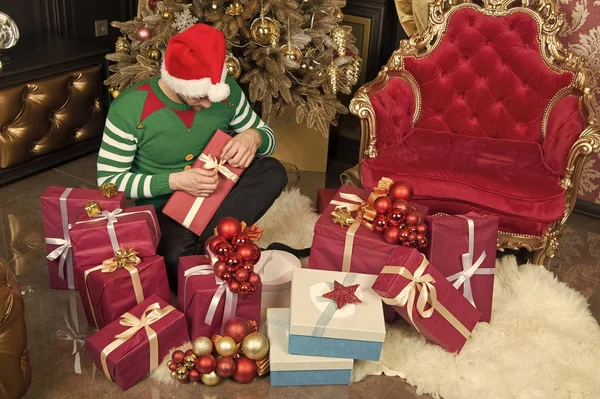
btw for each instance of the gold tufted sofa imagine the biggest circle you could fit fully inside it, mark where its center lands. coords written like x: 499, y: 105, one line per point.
x: 15, y: 375
x: 49, y: 114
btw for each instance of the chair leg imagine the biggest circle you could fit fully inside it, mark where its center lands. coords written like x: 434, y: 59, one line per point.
x: 543, y: 256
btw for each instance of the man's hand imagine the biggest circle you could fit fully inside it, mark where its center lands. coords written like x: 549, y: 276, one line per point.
x: 196, y: 181
x: 240, y: 151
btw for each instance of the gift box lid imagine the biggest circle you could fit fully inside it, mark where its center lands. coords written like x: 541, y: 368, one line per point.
x: 278, y: 328
x: 275, y: 269
x: 312, y: 314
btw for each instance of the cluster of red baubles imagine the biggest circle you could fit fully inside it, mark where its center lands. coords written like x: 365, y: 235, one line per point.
x: 237, y: 255
x: 398, y: 220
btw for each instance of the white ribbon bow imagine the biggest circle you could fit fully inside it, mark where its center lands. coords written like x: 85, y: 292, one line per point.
x: 469, y: 267
x: 64, y: 249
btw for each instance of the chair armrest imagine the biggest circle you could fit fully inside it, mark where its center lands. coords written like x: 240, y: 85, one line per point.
x: 565, y: 123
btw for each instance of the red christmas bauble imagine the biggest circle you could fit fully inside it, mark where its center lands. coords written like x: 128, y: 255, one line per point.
x: 420, y: 237
x: 406, y: 244
x: 173, y: 366
x: 403, y: 205
x: 392, y: 235
x: 194, y: 375
x: 177, y: 356
x: 380, y: 223
x: 412, y: 237
x: 246, y: 252
x: 249, y: 267
x: 422, y: 228
x: 256, y: 253
x: 401, y: 190
x: 254, y: 279
x: 233, y: 260
x: 382, y: 205
x: 412, y: 219
x: 412, y: 229
x: 222, y: 249
x: 395, y: 216
x: 206, y: 364
x: 189, y: 352
x: 240, y: 239
x: 414, y: 244
x: 234, y: 286
x: 403, y: 235
x: 228, y: 227
x: 236, y: 328
x: 413, y: 208
x: 184, y: 381
x: 245, y: 288
x: 226, y: 277
x: 220, y: 268
x: 246, y: 370
x: 143, y: 34
x: 225, y: 367
x: 212, y: 242
x: 152, y: 4
x: 242, y: 275
x: 422, y: 242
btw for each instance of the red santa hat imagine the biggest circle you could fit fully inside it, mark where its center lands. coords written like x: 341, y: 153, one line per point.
x: 194, y: 64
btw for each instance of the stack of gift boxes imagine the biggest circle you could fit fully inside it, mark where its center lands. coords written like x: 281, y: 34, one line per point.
x: 374, y: 256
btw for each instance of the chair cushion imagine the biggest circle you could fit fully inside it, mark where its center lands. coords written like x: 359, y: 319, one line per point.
x: 504, y: 176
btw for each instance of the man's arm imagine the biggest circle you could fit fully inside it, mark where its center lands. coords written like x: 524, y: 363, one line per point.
x: 118, y: 149
x: 245, y: 118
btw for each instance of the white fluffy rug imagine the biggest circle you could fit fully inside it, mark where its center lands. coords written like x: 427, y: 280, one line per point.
x: 542, y: 342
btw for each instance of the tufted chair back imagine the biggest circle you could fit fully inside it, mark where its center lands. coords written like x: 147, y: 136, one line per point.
x: 486, y: 78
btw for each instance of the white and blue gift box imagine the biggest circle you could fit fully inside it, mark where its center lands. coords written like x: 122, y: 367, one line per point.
x: 319, y: 328
x: 288, y: 369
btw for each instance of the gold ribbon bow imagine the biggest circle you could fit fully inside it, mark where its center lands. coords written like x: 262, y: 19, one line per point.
x: 424, y: 284
x: 152, y: 314
x: 210, y: 162
x: 126, y: 258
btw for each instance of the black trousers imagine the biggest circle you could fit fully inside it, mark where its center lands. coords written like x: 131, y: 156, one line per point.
x: 248, y: 201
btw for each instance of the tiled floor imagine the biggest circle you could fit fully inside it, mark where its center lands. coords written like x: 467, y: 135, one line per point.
x: 21, y: 244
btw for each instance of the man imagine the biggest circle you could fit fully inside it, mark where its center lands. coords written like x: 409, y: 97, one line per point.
x: 156, y: 129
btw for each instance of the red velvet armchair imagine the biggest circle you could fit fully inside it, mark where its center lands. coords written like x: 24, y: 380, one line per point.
x: 485, y: 111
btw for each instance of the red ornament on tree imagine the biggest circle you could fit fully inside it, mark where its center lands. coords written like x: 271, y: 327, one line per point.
x: 222, y: 249
x: 403, y: 205
x: 392, y: 235
x: 225, y: 367
x: 242, y: 275
x: 254, y: 279
x: 380, y: 223
x: 246, y: 370
x: 234, y: 286
x: 152, y: 4
x: 395, y: 216
x: 382, y: 205
x: 236, y: 328
x: 228, y: 227
x: 401, y: 190
x: 245, y: 288
x: 421, y: 228
x: 220, y: 268
x: 143, y: 34
x: 240, y: 239
x: 178, y: 356
x: 246, y: 252
x: 233, y: 260
x: 206, y: 364
x: 412, y: 219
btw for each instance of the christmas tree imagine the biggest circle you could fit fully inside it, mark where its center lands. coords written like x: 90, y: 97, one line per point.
x: 288, y: 53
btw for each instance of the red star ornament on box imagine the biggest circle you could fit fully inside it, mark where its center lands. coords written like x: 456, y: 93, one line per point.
x: 343, y: 295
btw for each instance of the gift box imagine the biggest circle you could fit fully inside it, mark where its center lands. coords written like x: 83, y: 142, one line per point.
x: 319, y: 327
x: 276, y: 269
x: 96, y: 238
x: 129, y: 348
x: 288, y: 369
x: 195, y: 213
x: 324, y: 197
x: 355, y: 248
x: 206, y: 300
x: 118, y: 284
x: 463, y: 249
x: 61, y: 207
x: 424, y: 298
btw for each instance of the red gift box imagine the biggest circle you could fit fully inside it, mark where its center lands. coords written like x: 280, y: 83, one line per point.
x: 95, y: 239
x: 368, y: 252
x: 129, y: 348
x: 206, y: 300
x: 424, y: 298
x: 107, y: 291
x: 463, y: 249
x: 61, y: 207
x: 195, y: 213
x: 324, y: 197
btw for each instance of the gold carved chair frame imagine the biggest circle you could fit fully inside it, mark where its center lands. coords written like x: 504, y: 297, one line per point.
x: 556, y: 57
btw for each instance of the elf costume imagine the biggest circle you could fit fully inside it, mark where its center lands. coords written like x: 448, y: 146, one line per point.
x: 148, y: 136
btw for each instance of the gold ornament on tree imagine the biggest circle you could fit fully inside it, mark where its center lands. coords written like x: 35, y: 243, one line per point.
x: 122, y: 45
x: 263, y: 29
x: 166, y: 14
x: 114, y: 92
x: 234, y: 69
x: 154, y: 55
x: 339, y: 38
x: 353, y: 71
x: 332, y: 71
x: 234, y: 9
x: 339, y: 16
x: 291, y: 52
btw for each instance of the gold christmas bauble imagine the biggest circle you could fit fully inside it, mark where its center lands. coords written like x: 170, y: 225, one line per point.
x: 122, y: 45
x: 115, y: 93
x: 166, y: 14
x: 339, y: 16
x: 202, y: 346
x: 234, y: 68
x: 255, y: 346
x: 291, y: 52
x: 262, y: 30
x: 189, y: 361
x: 181, y: 373
x: 154, y: 55
x: 174, y: 375
x: 226, y: 346
x: 234, y: 9
x: 211, y: 379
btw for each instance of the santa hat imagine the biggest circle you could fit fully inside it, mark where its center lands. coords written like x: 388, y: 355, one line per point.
x: 194, y: 64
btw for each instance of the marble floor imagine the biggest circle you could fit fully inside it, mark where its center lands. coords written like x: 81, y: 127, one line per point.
x: 54, y: 376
